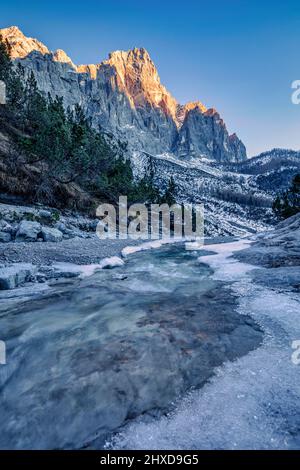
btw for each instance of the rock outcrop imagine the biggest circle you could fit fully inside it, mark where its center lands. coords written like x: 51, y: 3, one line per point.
x: 124, y: 95
x: 28, y: 231
x: 50, y: 234
x: 203, y: 132
x: 15, y: 275
x: 277, y: 250
x: 32, y: 224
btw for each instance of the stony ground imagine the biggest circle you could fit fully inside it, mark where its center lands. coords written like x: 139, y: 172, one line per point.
x: 77, y: 251
x: 279, y: 252
x: 34, y: 237
x: 93, y: 347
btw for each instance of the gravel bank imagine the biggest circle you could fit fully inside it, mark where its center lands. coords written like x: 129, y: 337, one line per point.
x: 77, y: 251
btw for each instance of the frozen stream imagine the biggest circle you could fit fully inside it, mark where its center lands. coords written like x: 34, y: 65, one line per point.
x: 251, y: 403
x: 87, y: 355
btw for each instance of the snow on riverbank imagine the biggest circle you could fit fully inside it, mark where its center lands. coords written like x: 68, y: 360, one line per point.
x: 252, y: 403
x: 86, y: 270
x: 190, y: 244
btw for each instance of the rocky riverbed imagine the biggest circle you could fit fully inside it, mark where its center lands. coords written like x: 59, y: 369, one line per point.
x: 90, y: 356
x: 39, y: 244
x: 86, y: 355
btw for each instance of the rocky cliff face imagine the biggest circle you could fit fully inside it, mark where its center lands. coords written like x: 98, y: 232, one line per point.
x: 124, y: 95
x: 203, y: 132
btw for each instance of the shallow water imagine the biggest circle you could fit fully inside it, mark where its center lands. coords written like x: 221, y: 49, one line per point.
x: 89, y: 354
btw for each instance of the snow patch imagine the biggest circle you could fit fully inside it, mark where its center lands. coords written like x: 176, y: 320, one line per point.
x: 129, y: 250
x: 86, y: 270
x: 112, y: 262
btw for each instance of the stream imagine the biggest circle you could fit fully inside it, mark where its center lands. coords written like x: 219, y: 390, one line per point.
x: 100, y: 361
x: 251, y: 403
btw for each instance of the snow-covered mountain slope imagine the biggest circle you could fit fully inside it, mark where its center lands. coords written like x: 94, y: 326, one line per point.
x: 271, y: 171
x: 268, y: 161
x: 237, y: 198
x: 235, y: 202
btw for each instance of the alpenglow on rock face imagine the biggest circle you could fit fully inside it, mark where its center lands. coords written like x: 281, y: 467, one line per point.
x: 123, y: 95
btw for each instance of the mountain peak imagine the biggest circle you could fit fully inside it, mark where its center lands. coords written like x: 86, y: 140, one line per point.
x: 12, y: 30
x: 19, y: 46
x: 136, y: 74
x: 195, y: 105
x: 138, y: 78
x: 137, y: 59
x: 139, y: 54
x: 60, y: 56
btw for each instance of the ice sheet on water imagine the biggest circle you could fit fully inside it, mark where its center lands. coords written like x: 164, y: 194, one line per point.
x: 252, y: 403
x: 226, y: 267
x: 153, y: 244
x: 85, y: 270
x: 129, y: 250
x: 112, y: 262
x: 82, y: 270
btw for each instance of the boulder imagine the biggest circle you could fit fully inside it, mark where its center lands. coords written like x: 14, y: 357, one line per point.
x: 51, y: 234
x: 60, y: 226
x: 5, y: 227
x: 15, y: 275
x: 278, y: 248
x: 45, y: 215
x: 58, y: 271
x: 28, y: 231
x: 74, y: 232
x: 5, y: 237
x: 70, y: 231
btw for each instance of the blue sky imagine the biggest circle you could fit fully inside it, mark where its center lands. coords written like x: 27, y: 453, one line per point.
x: 239, y: 56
